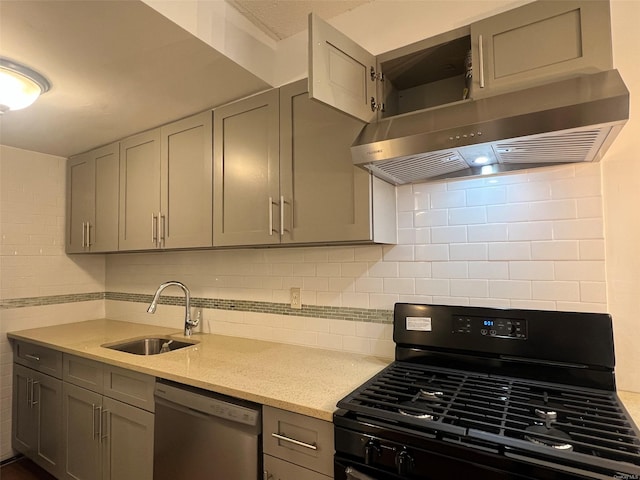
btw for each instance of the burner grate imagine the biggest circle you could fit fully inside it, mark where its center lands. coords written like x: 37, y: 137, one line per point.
x: 583, y: 425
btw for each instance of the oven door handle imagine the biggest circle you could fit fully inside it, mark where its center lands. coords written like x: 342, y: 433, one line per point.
x: 353, y: 474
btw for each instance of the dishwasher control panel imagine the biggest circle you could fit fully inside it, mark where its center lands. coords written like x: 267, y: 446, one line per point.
x: 208, y: 403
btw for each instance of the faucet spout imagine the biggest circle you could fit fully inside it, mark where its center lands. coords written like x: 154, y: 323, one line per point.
x: 188, y: 322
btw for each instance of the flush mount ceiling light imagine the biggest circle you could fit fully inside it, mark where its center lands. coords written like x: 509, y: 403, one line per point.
x: 19, y: 85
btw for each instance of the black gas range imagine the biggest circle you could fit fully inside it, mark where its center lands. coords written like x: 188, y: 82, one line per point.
x: 483, y: 393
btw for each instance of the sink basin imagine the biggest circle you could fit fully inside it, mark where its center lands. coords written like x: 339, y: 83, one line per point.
x: 150, y: 345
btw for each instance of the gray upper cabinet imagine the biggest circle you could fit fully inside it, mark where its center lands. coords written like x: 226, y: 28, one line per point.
x: 140, y: 191
x: 541, y: 40
x: 246, y: 171
x: 340, y: 71
x: 535, y: 43
x: 186, y: 173
x: 92, y: 201
x: 165, y: 186
x: 325, y: 197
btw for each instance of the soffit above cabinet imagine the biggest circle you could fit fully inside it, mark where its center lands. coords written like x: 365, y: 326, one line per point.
x: 116, y: 68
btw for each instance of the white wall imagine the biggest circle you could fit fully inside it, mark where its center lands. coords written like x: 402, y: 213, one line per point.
x: 32, y: 258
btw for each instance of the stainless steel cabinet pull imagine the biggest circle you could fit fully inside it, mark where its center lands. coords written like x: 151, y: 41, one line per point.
x: 107, y: 421
x: 481, y: 60
x: 281, y: 215
x: 88, y: 234
x: 33, y: 401
x: 311, y: 446
x: 267, y: 476
x: 84, y: 243
x: 32, y: 357
x: 97, y: 433
x: 29, y: 391
x: 270, y: 215
x: 162, y: 223
x: 93, y: 418
x: 154, y: 229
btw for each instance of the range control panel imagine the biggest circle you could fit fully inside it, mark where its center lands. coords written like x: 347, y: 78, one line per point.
x: 490, y: 327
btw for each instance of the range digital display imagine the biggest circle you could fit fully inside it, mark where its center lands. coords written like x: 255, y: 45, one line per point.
x: 510, y: 328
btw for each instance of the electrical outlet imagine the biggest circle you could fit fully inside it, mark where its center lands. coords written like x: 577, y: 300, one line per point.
x: 295, y: 298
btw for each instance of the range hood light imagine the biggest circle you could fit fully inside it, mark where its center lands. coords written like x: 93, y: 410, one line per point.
x: 481, y: 160
x: 19, y: 85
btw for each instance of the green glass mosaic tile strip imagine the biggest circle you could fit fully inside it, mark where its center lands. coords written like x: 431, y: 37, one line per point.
x: 316, y: 311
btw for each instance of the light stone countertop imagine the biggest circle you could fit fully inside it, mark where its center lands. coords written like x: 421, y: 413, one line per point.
x: 304, y: 380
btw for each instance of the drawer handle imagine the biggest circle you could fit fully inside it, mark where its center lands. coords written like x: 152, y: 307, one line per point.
x: 311, y: 446
x: 32, y: 357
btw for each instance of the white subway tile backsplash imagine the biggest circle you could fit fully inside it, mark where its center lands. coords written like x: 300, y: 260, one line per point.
x: 450, y: 270
x: 448, y: 199
x: 432, y: 286
x: 383, y: 269
x: 528, y: 192
x: 405, y: 219
x: 467, y: 216
x: 495, y: 232
x: 423, y: 236
x: 368, y: 253
x: 516, y: 212
x: 589, y: 207
x: 531, y: 270
x: 369, y: 285
x: 555, y: 250
x: 580, y: 229
x: 553, y: 210
x: 402, y: 253
x: 469, y: 288
x: 510, y: 251
x: 586, y: 270
x: 580, y: 186
x: 468, y: 251
x: 556, y: 290
x: 399, y: 285
x: 592, y: 249
x: 530, y: 231
x: 431, y: 218
x: 593, y: 292
x: 510, y: 289
x: 438, y: 252
x: 455, y: 234
x: 383, y: 301
x: 414, y: 269
x: 486, y: 196
x: 489, y: 270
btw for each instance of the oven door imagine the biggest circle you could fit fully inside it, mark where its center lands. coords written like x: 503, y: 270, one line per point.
x: 348, y: 470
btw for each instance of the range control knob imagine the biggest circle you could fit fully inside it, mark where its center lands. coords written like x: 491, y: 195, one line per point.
x: 404, y: 462
x: 371, y: 451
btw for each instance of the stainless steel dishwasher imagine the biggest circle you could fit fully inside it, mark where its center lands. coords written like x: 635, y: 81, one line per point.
x: 202, y: 435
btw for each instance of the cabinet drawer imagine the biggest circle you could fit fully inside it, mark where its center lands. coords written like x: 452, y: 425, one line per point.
x: 302, y: 440
x: 129, y: 387
x: 276, y: 469
x: 83, y: 372
x: 39, y: 358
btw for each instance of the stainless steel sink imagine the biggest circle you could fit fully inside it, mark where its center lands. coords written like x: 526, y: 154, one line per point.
x: 150, y: 345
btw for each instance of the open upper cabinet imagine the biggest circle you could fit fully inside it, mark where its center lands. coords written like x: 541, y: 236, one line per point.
x: 538, y: 42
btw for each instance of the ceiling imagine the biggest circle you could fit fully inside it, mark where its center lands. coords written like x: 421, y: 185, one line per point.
x: 119, y: 67
x: 281, y: 19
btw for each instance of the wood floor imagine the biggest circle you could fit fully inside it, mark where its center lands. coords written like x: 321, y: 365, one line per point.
x: 23, y: 469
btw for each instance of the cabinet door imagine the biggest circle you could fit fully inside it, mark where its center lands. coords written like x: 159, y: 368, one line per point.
x: 127, y: 447
x: 541, y: 40
x: 139, y: 191
x: 103, y: 231
x: 340, y: 71
x: 277, y: 469
x: 246, y: 172
x: 187, y: 182
x: 47, y: 400
x: 82, y: 425
x: 80, y: 201
x: 24, y: 419
x: 327, y: 198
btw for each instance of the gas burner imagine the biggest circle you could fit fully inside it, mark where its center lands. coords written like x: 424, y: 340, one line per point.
x: 430, y: 395
x: 405, y: 408
x: 547, y: 415
x: 558, y: 441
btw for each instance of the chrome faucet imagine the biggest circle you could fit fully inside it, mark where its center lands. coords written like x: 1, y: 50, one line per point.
x: 188, y: 322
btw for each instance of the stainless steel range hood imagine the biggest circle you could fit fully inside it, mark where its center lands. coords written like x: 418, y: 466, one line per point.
x: 573, y: 120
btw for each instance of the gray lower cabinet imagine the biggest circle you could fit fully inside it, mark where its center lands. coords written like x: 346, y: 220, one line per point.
x: 104, y: 437
x: 36, y: 424
x: 296, y: 447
